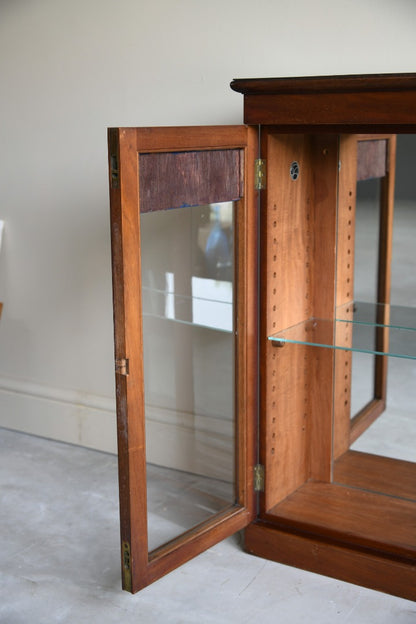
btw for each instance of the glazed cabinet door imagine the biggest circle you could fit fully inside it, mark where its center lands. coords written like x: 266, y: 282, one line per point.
x: 184, y: 234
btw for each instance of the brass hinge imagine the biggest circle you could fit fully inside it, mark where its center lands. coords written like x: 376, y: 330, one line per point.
x: 122, y: 367
x: 260, y: 174
x: 125, y: 553
x: 259, y: 478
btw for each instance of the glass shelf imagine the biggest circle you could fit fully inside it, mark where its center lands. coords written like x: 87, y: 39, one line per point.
x: 359, y: 326
x: 377, y: 314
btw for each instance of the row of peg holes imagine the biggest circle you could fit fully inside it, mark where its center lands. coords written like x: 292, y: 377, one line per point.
x: 348, y: 281
x: 274, y: 290
x: 349, y: 239
x: 273, y: 405
x: 348, y: 293
x: 274, y: 308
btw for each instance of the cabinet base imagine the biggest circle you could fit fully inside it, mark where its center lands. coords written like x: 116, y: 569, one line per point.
x: 346, y: 562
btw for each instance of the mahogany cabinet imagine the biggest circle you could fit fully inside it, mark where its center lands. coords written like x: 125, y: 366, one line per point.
x: 236, y: 326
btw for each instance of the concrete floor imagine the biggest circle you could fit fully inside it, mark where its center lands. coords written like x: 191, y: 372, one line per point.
x: 60, y: 558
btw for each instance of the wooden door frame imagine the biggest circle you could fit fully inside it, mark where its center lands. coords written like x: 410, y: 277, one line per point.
x: 139, y: 567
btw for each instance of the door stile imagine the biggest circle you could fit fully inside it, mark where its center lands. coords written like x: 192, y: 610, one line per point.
x: 125, y: 233
x: 385, y: 257
x: 247, y: 328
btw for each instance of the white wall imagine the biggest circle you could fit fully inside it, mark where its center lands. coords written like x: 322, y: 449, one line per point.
x: 70, y: 69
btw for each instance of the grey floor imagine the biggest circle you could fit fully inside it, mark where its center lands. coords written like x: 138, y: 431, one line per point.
x: 178, y: 501
x: 60, y: 558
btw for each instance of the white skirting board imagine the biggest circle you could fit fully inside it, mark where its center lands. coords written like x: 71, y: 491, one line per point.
x: 198, y: 444
x: 64, y: 415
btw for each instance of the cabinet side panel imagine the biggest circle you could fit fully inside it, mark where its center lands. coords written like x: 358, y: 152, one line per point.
x: 286, y: 301
x: 298, y: 281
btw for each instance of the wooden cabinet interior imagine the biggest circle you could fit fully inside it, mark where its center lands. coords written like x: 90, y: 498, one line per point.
x: 319, y: 494
x: 322, y: 506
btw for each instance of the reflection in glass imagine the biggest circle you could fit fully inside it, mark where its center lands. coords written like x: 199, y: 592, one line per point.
x: 392, y: 434
x: 188, y: 332
x: 367, y: 225
x: 381, y: 456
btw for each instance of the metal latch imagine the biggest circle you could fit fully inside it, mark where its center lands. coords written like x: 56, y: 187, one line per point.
x: 260, y: 174
x: 259, y: 478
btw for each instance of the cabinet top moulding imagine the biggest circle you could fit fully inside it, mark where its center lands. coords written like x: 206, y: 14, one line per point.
x: 354, y: 103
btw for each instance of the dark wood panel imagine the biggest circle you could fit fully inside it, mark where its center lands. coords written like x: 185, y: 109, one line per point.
x: 364, y: 111
x: 325, y: 84
x: 355, y: 103
x: 371, y: 159
x: 376, y: 473
x: 354, y: 565
x: 178, y: 179
x: 343, y: 128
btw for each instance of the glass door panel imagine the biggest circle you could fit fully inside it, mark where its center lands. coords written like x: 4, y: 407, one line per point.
x: 187, y: 261
x: 367, y: 220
